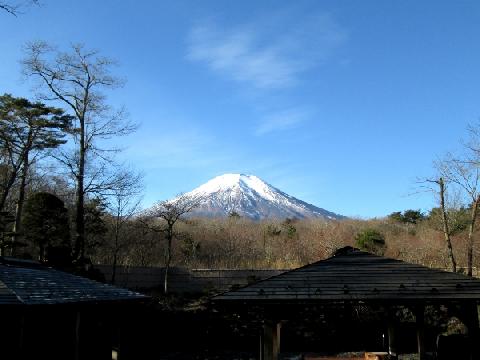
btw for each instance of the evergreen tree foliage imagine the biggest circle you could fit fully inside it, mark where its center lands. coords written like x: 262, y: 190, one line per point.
x: 413, y: 216
x: 234, y: 215
x: 46, y: 223
x: 371, y: 240
x: 25, y: 129
x: 6, y: 220
x: 408, y: 216
x: 396, y: 216
x: 95, y: 225
x: 458, y: 219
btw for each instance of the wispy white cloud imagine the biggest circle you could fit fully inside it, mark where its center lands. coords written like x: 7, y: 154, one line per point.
x: 282, y: 120
x: 186, y: 148
x: 237, y: 56
x: 254, y: 54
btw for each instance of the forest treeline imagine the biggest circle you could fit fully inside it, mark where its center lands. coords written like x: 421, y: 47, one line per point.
x: 237, y: 242
x: 66, y: 200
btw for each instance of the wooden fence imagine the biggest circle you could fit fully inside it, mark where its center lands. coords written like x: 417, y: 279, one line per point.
x: 183, y: 280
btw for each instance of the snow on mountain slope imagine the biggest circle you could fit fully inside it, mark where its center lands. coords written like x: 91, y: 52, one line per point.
x: 251, y: 197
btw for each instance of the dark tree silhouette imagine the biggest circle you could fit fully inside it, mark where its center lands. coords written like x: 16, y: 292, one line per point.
x: 46, y: 222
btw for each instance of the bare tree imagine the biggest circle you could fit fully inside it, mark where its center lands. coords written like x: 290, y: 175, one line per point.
x: 15, y: 8
x: 446, y: 228
x: 465, y: 174
x: 162, y: 219
x: 76, y: 79
x: 440, y: 190
x: 123, y: 204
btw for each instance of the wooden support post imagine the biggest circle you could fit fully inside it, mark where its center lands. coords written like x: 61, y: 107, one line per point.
x: 392, y: 348
x: 77, y: 336
x: 420, y: 322
x: 121, y: 344
x: 21, y: 336
x: 261, y: 345
x: 270, y: 341
x: 471, y: 320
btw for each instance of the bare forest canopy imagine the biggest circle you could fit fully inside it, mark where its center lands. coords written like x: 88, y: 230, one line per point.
x: 241, y: 243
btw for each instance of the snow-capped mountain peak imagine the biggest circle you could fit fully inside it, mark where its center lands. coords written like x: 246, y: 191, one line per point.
x: 251, y: 197
x: 240, y: 182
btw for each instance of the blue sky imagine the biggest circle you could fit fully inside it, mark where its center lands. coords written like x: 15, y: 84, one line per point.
x: 343, y: 104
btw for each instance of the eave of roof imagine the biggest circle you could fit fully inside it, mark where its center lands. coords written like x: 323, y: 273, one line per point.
x: 8, y: 297
x: 31, y: 284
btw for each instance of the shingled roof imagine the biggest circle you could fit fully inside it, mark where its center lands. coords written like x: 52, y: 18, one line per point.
x: 28, y: 283
x: 354, y: 275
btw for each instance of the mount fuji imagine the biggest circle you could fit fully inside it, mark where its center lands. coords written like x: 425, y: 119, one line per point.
x: 251, y: 197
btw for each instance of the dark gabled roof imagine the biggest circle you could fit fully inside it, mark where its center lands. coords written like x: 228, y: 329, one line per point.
x: 356, y: 276
x: 32, y: 284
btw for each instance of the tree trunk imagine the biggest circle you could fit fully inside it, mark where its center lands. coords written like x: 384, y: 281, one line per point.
x: 116, y: 248
x: 21, y: 199
x: 446, y: 229
x: 114, y: 266
x: 41, y: 252
x: 471, y: 230
x: 168, y: 257
x: 79, y: 253
x: 8, y: 186
x: 5, y: 192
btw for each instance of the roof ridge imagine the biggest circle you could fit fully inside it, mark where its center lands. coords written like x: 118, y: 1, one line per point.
x: 363, y: 272
x: 13, y: 261
x: 296, y: 269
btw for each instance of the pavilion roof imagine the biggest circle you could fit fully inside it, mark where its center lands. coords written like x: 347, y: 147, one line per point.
x: 29, y: 283
x: 354, y: 275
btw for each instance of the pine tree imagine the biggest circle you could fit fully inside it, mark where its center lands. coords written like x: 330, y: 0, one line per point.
x: 26, y: 130
x: 46, y: 223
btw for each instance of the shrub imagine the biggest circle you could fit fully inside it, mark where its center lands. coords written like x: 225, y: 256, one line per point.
x: 371, y: 240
